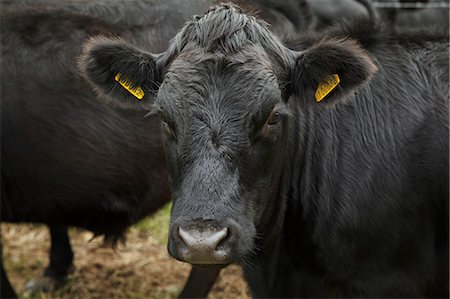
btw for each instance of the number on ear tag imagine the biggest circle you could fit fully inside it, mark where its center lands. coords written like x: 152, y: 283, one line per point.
x: 128, y: 85
x: 326, y: 86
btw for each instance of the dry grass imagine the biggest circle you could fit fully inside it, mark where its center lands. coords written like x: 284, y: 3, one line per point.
x: 141, y: 268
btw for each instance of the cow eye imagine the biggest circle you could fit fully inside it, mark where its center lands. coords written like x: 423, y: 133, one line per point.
x: 273, y: 118
x: 268, y: 126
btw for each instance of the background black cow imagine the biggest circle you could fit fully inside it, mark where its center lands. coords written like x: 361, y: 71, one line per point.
x: 397, y: 13
x: 406, y: 13
x: 323, y: 169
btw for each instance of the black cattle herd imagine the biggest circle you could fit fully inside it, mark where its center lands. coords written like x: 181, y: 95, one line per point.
x: 305, y: 140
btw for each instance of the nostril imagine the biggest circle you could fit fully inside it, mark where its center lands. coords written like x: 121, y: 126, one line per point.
x: 207, y: 239
x: 224, y: 240
x: 185, y: 236
x: 219, y: 236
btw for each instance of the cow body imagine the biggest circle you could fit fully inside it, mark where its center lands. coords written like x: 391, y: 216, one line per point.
x: 319, y: 187
x: 74, y: 138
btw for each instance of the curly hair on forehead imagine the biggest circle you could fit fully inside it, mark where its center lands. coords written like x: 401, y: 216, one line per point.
x: 225, y: 30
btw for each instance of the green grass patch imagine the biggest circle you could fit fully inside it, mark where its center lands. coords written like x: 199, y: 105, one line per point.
x: 157, y: 224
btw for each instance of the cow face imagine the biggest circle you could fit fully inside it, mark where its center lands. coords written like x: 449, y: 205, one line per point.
x: 224, y: 126
x: 227, y: 92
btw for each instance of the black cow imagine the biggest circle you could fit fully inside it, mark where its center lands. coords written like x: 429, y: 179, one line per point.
x: 60, y: 147
x: 326, y: 13
x: 427, y: 13
x: 322, y: 169
x: 329, y: 12
x: 310, y: 15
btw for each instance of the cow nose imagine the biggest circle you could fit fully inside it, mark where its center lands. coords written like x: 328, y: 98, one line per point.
x: 202, y: 240
x: 203, y: 243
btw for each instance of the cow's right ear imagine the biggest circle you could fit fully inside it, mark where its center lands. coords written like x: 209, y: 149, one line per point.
x: 120, y: 73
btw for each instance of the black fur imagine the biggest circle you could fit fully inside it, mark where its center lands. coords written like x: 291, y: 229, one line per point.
x: 82, y: 151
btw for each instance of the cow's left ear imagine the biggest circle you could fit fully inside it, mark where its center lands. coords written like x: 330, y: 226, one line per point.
x: 329, y: 71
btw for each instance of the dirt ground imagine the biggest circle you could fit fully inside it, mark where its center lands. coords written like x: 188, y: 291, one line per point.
x: 141, y: 268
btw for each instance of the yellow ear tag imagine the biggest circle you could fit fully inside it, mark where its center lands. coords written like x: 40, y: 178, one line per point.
x: 326, y: 86
x: 128, y: 85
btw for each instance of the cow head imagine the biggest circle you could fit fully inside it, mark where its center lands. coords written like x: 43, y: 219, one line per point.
x: 226, y: 91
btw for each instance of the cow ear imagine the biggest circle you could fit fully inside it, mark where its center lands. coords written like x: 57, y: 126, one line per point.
x: 119, y: 72
x: 330, y: 71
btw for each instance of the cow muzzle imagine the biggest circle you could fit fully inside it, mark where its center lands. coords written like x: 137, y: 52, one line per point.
x: 204, y: 242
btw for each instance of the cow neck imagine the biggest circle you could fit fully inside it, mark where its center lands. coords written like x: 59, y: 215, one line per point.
x: 314, y: 138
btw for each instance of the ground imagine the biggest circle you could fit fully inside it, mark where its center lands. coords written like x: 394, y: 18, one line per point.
x: 141, y: 268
